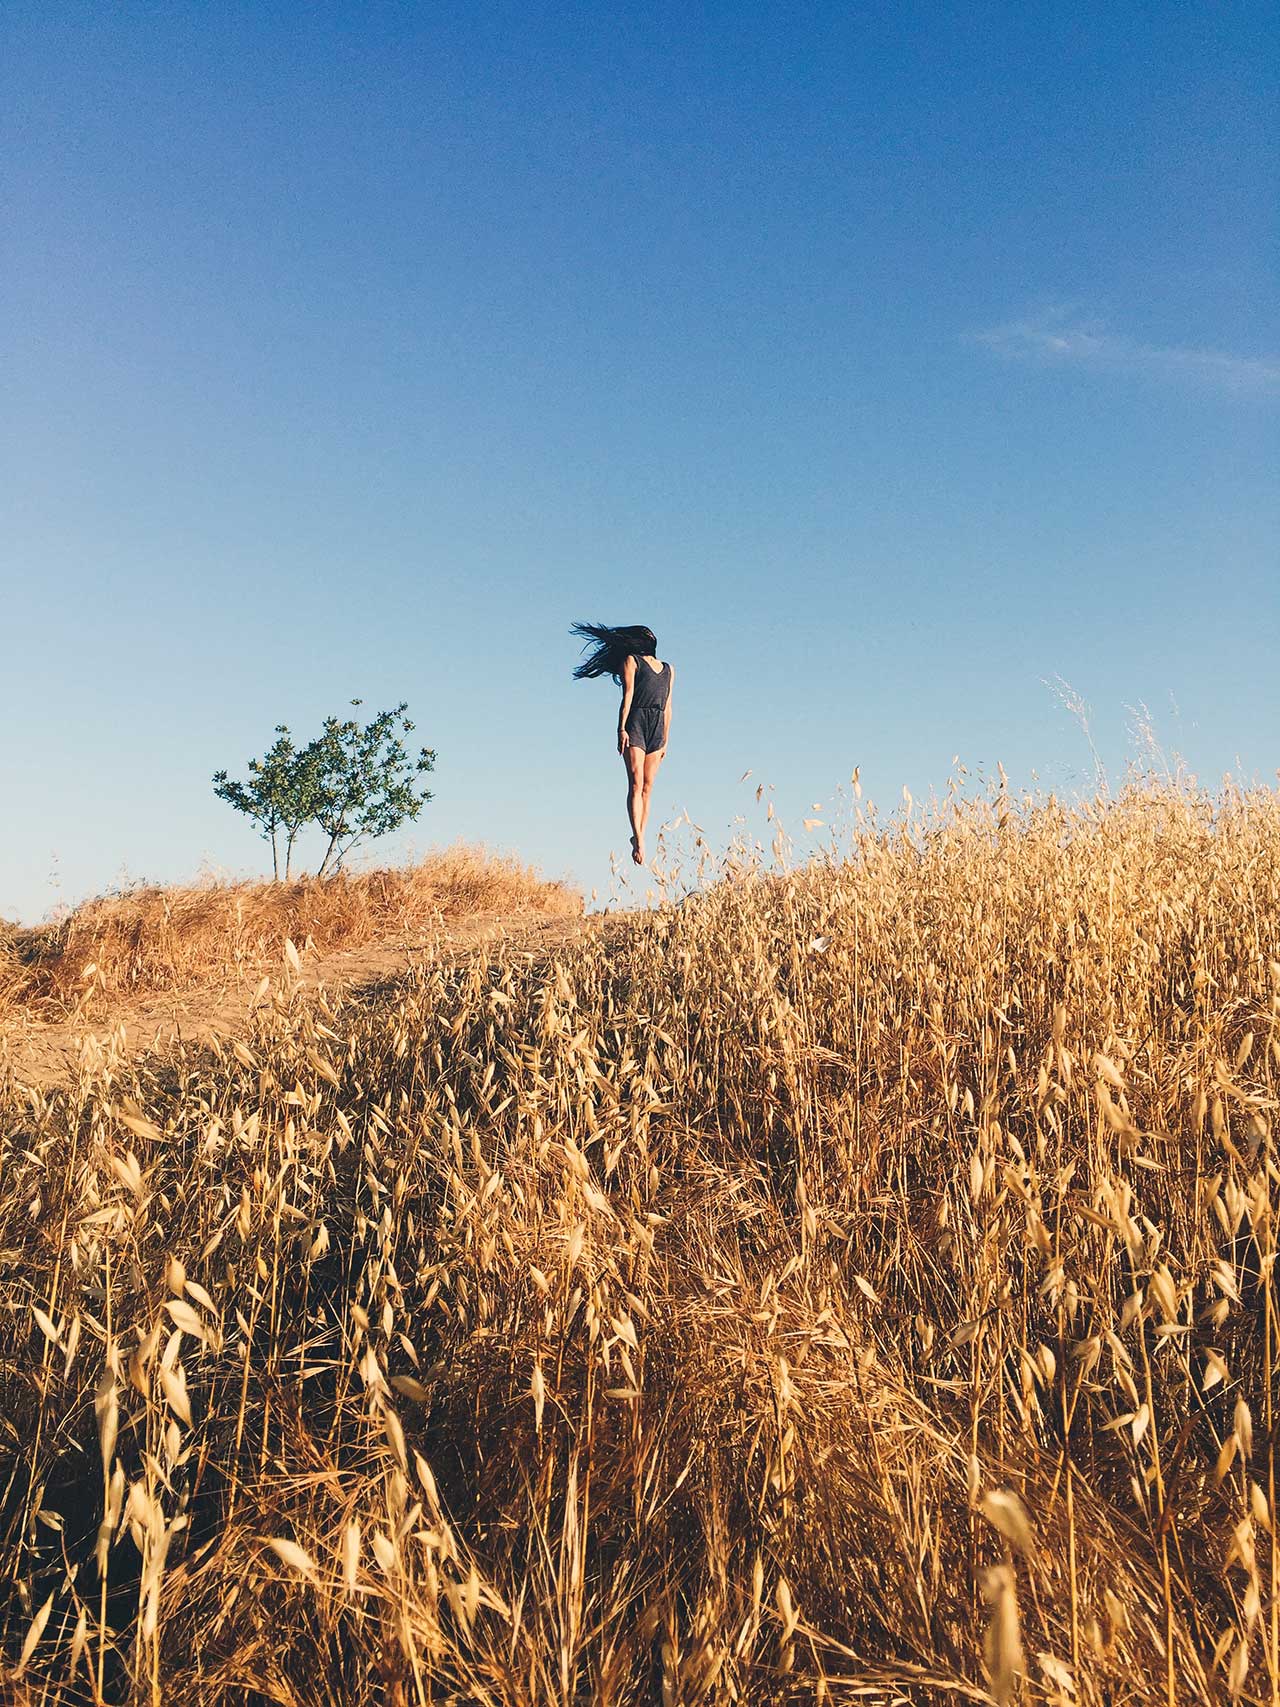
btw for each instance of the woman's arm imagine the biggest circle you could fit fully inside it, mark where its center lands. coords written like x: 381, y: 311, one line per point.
x: 666, y: 714
x: 628, y: 688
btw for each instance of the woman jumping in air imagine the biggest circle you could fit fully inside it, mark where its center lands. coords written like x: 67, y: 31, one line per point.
x: 644, y: 717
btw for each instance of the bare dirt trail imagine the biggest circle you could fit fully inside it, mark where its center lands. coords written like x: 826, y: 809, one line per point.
x: 46, y: 1051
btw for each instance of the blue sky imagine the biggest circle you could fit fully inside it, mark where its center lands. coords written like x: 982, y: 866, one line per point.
x: 886, y: 360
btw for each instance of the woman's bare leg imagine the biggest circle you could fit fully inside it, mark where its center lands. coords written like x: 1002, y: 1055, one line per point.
x: 635, y: 762
x: 651, y: 763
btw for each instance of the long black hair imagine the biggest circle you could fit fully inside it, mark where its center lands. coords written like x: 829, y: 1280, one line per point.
x: 611, y: 648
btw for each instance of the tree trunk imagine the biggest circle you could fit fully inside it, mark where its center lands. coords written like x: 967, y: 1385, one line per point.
x: 328, y: 852
x: 275, y: 859
x: 338, y: 863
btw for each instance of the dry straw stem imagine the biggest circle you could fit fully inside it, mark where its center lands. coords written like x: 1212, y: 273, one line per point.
x: 153, y: 939
x: 708, y: 1311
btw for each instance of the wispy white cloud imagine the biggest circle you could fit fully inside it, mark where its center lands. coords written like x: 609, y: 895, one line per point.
x: 1057, y: 337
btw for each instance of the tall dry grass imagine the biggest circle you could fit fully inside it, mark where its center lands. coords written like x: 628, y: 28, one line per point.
x: 154, y: 939
x: 854, y: 1285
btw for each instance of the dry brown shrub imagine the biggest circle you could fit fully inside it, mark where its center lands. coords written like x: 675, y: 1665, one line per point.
x: 853, y: 1284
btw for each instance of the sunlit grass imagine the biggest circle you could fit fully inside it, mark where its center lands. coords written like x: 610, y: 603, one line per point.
x: 152, y: 938
x: 854, y: 1284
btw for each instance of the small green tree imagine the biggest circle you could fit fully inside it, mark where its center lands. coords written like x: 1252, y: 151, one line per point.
x: 365, y: 780
x: 279, y: 795
x: 355, y: 782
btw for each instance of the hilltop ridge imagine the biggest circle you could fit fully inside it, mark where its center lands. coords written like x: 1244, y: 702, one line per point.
x: 192, y: 961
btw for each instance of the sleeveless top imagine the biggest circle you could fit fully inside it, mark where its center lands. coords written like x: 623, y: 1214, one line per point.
x: 651, y: 688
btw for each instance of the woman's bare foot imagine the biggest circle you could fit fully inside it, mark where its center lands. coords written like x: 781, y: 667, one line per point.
x: 637, y: 850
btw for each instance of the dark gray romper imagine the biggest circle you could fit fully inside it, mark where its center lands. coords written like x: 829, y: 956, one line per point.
x: 648, y: 707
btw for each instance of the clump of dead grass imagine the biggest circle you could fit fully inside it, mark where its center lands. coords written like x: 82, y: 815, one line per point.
x: 13, y: 974
x: 855, y: 1285
x: 154, y: 939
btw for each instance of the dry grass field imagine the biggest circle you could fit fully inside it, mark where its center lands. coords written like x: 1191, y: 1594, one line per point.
x: 854, y: 1284
x: 154, y: 939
